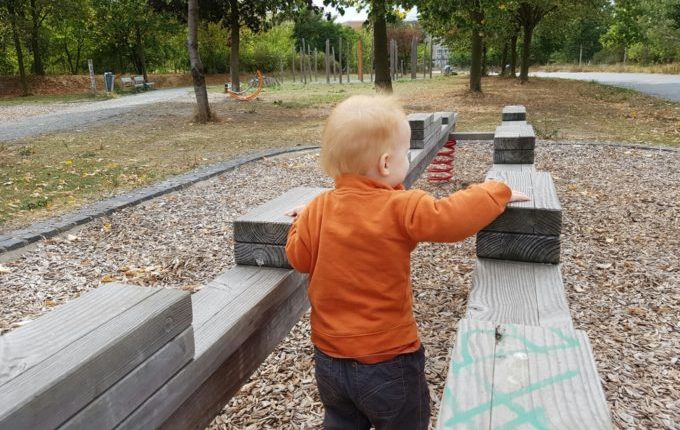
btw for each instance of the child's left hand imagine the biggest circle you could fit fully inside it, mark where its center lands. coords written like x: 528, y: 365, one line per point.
x: 295, y: 211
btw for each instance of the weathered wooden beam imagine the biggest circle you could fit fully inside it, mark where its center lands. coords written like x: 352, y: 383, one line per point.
x: 268, y: 222
x: 107, y: 410
x: 261, y: 254
x: 513, y: 156
x: 514, y: 113
x: 513, y: 168
x: 473, y: 135
x: 448, y: 117
x: 422, y: 159
x: 509, y: 375
x: 542, y: 214
x: 518, y: 293
x: 420, y: 120
x: 533, y: 248
x: 228, y: 315
x: 520, y: 136
x: 59, y: 383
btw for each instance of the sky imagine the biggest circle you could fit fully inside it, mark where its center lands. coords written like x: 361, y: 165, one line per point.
x: 351, y: 14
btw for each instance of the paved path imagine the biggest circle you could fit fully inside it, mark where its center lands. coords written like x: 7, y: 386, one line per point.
x: 74, y: 115
x: 663, y: 86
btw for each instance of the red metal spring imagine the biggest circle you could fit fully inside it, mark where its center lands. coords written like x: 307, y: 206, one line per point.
x: 441, y: 168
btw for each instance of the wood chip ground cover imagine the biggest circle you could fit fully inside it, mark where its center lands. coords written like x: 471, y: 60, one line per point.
x: 620, y: 253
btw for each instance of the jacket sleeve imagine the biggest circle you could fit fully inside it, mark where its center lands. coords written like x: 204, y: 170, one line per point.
x: 457, y: 216
x: 297, y: 245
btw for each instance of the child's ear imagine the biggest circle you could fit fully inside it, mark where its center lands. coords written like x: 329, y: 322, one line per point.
x: 384, y: 164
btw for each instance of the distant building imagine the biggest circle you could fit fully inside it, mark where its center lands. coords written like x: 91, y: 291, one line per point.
x: 440, y: 55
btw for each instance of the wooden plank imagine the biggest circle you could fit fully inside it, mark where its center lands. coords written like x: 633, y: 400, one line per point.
x: 419, y: 120
x: 107, y: 410
x: 519, y: 136
x: 424, y: 158
x: 28, y: 346
x: 261, y: 255
x: 532, y: 248
x: 515, y: 376
x: 48, y: 394
x: 513, y: 156
x: 514, y: 113
x: 518, y: 293
x: 513, y: 168
x: 268, y: 222
x: 515, y: 123
x: 205, y: 403
x: 432, y: 136
x: 251, y: 295
x: 541, y: 215
x: 466, y: 402
x: 426, y: 133
x: 472, y: 135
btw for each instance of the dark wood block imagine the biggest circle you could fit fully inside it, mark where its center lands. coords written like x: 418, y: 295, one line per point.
x: 50, y: 377
x: 513, y: 156
x: 261, y: 255
x: 514, y: 137
x: 268, y: 223
x: 424, y: 157
x: 448, y: 117
x: 541, y: 215
x: 532, y: 248
x: 519, y: 293
x: 514, y: 113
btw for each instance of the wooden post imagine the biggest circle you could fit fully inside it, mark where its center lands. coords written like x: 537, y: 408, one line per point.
x: 349, y: 55
x: 281, y: 68
x: 414, y: 58
x: 302, y: 62
x: 340, y: 56
x: 309, y: 62
x: 372, y: 60
x: 328, y: 65
x: 431, y: 51
x: 335, y: 78
x: 316, y: 64
x: 391, y: 51
x: 424, y: 58
x: 402, y: 68
x: 360, y: 61
x: 93, y: 82
x: 292, y: 63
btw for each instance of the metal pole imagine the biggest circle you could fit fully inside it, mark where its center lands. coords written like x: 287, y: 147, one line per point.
x: 431, y: 48
x: 414, y: 58
x: 360, y: 60
x: 349, y: 56
x: 328, y: 68
x: 333, y: 59
x: 340, y: 57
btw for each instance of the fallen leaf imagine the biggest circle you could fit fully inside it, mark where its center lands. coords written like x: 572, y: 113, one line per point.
x: 4, y: 269
x: 108, y: 278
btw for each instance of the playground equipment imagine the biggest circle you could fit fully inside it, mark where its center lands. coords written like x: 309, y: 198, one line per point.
x: 243, y: 95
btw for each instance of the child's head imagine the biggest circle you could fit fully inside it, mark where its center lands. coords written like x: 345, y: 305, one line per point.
x: 360, y: 132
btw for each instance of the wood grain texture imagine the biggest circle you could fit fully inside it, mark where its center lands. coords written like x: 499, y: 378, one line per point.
x: 516, y: 376
x: 514, y: 113
x: 261, y: 255
x: 268, y: 223
x: 48, y: 394
x: 532, y: 248
x: 419, y: 120
x: 424, y: 158
x: 210, y: 398
x: 229, y: 312
x: 518, y: 293
x: 516, y: 136
x: 425, y: 134
x: 107, y: 410
x: 541, y: 215
x: 513, y: 156
x: 513, y: 168
x: 27, y: 346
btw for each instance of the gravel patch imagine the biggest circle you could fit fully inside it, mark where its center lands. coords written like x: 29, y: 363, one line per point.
x: 620, y: 253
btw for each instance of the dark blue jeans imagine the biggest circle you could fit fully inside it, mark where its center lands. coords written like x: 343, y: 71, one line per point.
x: 389, y: 395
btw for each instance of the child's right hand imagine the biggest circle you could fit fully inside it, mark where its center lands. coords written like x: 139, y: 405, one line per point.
x: 295, y: 211
x: 518, y: 196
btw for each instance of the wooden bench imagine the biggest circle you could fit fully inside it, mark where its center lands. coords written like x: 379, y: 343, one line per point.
x: 140, y: 83
x: 98, y: 356
x: 526, y: 231
x: 260, y: 235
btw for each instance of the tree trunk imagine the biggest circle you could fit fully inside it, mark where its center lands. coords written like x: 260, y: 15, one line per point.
x: 140, y: 54
x: 203, y: 108
x: 476, y: 63
x: 234, y: 66
x: 383, y: 82
x: 504, y: 58
x: 526, y: 46
x: 513, y: 55
x: 17, y: 46
x: 485, y: 71
x: 38, y: 67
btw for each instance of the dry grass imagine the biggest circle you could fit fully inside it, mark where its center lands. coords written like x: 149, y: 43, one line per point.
x: 43, y: 176
x: 671, y: 69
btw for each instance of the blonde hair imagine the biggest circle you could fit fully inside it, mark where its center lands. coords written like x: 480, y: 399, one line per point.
x: 358, y: 132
